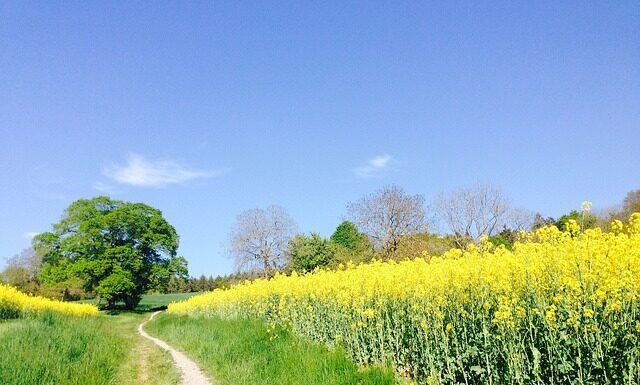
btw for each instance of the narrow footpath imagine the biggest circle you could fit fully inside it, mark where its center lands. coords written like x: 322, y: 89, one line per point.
x: 191, y: 373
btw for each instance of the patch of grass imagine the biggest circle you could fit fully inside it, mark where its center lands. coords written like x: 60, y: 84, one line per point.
x: 149, y: 302
x: 61, y: 350
x: 160, y: 301
x: 5, y: 326
x: 54, y: 349
x: 144, y: 362
x: 244, y: 352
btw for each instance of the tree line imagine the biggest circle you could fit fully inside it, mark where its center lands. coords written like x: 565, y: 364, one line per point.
x: 117, y: 251
x: 391, y: 224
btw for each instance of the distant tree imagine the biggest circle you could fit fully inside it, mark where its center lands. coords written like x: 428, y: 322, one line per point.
x: 178, y: 285
x: 507, y: 237
x: 259, y: 239
x: 22, y: 270
x: 540, y: 221
x: 307, y: 253
x: 621, y: 211
x: 118, y: 250
x: 387, y: 215
x: 350, y: 244
x: 162, y: 275
x: 472, y: 212
x: 423, y: 244
x: 347, y: 235
x: 631, y: 204
x: 519, y: 219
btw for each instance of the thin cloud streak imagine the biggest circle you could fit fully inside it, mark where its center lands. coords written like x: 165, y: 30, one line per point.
x: 105, y: 188
x: 374, y: 166
x: 142, y: 172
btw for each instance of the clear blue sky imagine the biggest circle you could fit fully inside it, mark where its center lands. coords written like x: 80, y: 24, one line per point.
x: 205, y: 109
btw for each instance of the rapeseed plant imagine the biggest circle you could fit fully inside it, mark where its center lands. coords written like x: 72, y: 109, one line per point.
x: 562, y: 307
x: 14, y: 304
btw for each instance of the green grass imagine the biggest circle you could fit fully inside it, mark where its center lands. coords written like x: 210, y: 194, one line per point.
x: 244, y: 352
x: 56, y: 349
x: 5, y: 326
x: 144, y: 362
x: 159, y: 301
x: 61, y: 350
x: 151, y: 302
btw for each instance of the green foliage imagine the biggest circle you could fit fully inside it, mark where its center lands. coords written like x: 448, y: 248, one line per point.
x: 347, y: 244
x: 347, y: 235
x: 204, y: 283
x: 179, y: 270
x: 351, y: 244
x: 307, y: 253
x: 586, y: 220
x: 507, y: 237
x: 117, y: 249
x: 22, y: 271
x: 247, y: 352
x: 417, y: 245
x: 18, y: 277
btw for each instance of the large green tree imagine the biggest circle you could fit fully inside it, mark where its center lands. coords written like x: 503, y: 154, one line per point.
x: 309, y: 252
x: 118, y: 250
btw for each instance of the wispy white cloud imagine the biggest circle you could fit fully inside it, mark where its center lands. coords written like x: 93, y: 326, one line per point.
x: 105, y: 188
x: 142, y: 172
x: 30, y: 234
x: 374, y: 166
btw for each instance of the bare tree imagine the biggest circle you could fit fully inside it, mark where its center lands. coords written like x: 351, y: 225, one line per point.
x: 631, y: 203
x: 387, y: 215
x: 519, y: 219
x: 474, y: 211
x: 260, y: 238
x: 540, y: 221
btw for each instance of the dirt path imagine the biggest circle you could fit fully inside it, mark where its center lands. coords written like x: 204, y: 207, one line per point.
x: 191, y: 374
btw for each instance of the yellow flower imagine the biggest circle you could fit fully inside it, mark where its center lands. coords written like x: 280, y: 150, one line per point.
x: 369, y: 313
x: 551, y: 282
x: 449, y: 328
x: 14, y: 303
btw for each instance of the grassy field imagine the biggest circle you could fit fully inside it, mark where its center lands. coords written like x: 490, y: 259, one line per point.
x: 63, y: 350
x: 57, y: 349
x: 246, y: 352
x: 160, y: 301
x: 150, y: 302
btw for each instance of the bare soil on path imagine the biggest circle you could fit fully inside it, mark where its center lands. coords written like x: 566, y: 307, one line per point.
x: 191, y: 373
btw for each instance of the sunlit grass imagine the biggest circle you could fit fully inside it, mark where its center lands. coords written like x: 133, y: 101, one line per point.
x: 245, y: 352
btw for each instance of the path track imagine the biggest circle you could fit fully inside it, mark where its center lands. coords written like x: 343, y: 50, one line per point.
x: 191, y: 373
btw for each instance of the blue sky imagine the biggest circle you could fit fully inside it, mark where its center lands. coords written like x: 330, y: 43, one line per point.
x: 206, y: 109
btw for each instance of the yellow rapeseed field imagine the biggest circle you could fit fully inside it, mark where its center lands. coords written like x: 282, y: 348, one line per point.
x: 560, y: 308
x: 14, y: 303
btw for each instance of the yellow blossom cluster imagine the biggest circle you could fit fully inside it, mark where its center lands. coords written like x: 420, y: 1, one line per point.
x: 561, y: 307
x: 14, y: 303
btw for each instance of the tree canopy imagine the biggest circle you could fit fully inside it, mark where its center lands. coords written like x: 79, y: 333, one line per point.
x: 118, y: 250
x: 309, y: 252
x: 347, y: 235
